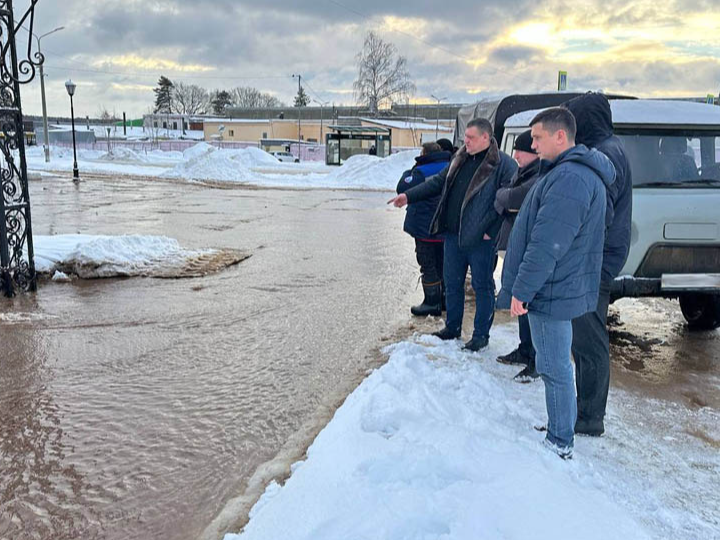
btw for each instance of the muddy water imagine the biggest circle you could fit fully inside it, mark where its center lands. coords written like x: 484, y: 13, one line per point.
x: 136, y: 408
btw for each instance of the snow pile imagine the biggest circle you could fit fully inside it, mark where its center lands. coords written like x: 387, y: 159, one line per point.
x: 197, y: 151
x: 105, y: 256
x: 439, y: 443
x: 208, y: 163
x: 371, y: 171
x: 122, y: 153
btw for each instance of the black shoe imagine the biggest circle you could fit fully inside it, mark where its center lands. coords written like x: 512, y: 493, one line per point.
x: 475, y: 344
x: 446, y: 334
x: 515, y: 358
x: 527, y: 375
x: 432, y: 304
x: 590, y: 428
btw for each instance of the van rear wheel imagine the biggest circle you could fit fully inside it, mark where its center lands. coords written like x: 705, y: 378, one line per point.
x: 701, y: 311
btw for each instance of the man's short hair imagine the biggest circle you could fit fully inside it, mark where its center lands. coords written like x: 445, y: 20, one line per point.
x: 482, y: 125
x: 430, y: 148
x: 556, y: 118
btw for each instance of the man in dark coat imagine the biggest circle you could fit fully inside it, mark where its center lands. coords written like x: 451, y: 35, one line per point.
x: 467, y: 218
x: 591, y: 344
x: 554, y: 259
x: 508, y: 201
x: 428, y: 247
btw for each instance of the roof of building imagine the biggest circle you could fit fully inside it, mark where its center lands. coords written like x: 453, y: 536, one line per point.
x: 404, y: 124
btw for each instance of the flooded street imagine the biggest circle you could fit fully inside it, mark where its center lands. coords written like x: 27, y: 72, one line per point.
x: 137, y: 408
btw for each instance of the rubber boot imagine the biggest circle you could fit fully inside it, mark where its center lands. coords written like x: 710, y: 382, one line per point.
x: 432, y: 305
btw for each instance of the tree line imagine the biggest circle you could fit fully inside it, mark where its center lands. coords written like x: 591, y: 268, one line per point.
x: 181, y: 98
x: 383, y: 79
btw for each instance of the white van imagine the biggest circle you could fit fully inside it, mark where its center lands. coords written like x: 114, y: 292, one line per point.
x: 674, y: 152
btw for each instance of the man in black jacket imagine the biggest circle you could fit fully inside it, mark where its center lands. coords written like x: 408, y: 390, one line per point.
x: 467, y: 217
x: 591, y: 344
x: 508, y: 201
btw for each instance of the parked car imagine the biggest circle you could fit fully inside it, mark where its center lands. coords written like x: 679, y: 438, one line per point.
x: 674, y: 152
x: 285, y: 156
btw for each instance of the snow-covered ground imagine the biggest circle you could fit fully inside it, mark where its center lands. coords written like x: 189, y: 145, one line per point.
x: 204, y: 162
x: 89, y: 256
x: 440, y: 444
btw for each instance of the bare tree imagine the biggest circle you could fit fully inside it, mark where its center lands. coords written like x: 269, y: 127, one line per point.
x: 189, y: 99
x: 383, y: 77
x: 247, y: 96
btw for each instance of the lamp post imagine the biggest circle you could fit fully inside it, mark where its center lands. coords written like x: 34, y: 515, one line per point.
x: 437, y: 113
x: 46, y: 142
x: 322, y: 104
x: 298, y: 108
x: 70, y: 86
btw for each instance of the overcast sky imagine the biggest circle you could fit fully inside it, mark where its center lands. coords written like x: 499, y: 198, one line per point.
x: 115, y: 50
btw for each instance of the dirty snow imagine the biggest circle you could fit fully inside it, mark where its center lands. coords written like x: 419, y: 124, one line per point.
x: 105, y: 256
x: 440, y: 444
x: 204, y: 162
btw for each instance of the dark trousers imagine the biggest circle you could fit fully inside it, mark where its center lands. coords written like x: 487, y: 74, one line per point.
x: 526, y: 346
x: 481, y: 261
x: 430, y: 258
x: 591, y: 351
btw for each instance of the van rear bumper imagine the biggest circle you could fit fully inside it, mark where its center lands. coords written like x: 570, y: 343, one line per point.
x: 668, y: 285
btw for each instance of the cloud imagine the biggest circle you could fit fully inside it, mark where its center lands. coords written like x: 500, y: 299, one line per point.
x: 463, y: 50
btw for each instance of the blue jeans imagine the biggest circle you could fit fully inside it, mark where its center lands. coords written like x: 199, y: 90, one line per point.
x: 552, y: 340
x: 481, y: 261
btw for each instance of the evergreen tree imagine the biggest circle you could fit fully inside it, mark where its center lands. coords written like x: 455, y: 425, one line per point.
x: 220, y: 100
x: 163, y: 95
x: 301, y: 99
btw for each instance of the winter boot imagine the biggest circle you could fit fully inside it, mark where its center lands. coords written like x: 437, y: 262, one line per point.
x: 589, y: 428
x: 447, y: 334
x: 528, y: 374
x: 514, y: 358
x: 432, y: 305
x: 475, y: 344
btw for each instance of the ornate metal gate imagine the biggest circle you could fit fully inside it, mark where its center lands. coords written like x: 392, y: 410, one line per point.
x: 17, y: 266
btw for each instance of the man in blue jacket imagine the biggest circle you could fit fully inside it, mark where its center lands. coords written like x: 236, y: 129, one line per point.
x: 467, y: 217
x: 428, y: 247
x: 554, y: 258
x: 591, y: 343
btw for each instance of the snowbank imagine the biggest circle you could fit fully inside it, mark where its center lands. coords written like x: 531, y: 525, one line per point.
x: 250, y: 165
x: 106, y: 256
x: 440, y: 444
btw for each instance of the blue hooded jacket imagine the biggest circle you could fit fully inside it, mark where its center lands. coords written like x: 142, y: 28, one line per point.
x: 420, y: 214
x: 555, y: 251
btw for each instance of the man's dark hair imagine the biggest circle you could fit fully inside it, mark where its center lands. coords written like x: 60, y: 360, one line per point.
x: 482, y: 125
x: 430, y: 148
x: 556, y: 118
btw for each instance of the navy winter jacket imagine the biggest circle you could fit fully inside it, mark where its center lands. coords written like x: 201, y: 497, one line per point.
x: 419, y: 215
x: 477, y: 215
x: 595, y: 130
x: 555, y: 251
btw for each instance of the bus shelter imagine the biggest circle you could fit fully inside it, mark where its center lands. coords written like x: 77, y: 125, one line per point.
x: 347, y: 141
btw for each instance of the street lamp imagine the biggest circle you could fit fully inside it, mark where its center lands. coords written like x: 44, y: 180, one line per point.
x: 437, y: 113
x: 70, y: 86
x: 46, y: 145
x: 322, y: 104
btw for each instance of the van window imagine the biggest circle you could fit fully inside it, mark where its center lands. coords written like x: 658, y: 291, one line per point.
x: 509, y: 142
x: 673, y: 157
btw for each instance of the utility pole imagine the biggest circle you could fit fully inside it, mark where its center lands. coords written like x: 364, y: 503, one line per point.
x: 437, y: 114
x: 46, y: 137
x: 299, y: 78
